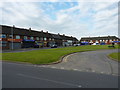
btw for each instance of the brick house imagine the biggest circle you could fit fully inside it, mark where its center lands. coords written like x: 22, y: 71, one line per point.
x: 100, y: 40
x: 16, y: 38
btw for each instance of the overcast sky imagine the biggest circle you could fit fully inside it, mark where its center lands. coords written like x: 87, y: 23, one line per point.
x: 78, y: 19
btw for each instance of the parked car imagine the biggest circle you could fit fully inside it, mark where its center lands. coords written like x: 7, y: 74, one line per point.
x: 76, y: 44
x: 54, y: 46
x: 36, y: 46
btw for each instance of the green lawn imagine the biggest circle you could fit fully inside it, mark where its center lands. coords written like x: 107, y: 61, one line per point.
x: 115, y: 56
x: 45, y: 56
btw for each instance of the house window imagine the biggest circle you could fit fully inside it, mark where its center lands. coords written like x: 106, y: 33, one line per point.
x: 10, y: 36
x: 96, y: 41
x: 17, y: 37
x: 25, y: 37
x: 0, y: 35
x: 53, y: 39
x: 91, y: 41
x: 3, y: 36
x: 110, y: 40
x: 41, y: 38
x: 4, y: 44
x: 106, y: 41
x: 45, y: 39
x: 49, y: 38
x: 31, y: 38
x: 37, y: 38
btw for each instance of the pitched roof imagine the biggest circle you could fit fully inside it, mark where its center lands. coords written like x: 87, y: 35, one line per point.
x: 99, y: 38
x: 30, y: 32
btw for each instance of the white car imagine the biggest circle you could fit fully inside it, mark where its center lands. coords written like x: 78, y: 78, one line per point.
x: 76, y: 44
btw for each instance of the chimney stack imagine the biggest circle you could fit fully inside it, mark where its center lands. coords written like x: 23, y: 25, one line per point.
x: 13, y: 25
x: 29, y: 29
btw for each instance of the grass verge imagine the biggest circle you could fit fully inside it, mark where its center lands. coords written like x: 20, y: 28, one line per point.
x: 115, y: 56
x: 46, y: 56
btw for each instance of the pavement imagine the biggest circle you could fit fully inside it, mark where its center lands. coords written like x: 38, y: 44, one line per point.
x: 90, y: 61
x: 16, y: 75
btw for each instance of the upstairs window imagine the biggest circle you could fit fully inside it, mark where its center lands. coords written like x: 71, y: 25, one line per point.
x: 37, y: 38
x: 17, y: 37
x: 31, y: 38
x: 10, y: 36
x: 45, y: 39
x: 3, y: 36
x: 25, y: 37
x: 49, y: 38
x: 106, y: 41
x: 41, y: 38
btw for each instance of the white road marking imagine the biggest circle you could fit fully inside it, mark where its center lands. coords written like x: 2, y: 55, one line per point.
x: 75, y: 69
x: 53, y: 67
x: 39, y: 66
x: 115, y: 74
x: 62, y: 68
x: 102, y: 72
x: 35, y: 65
x: 80, y: 86
x: 93, y: 70
x: 43, y: 66
x: 59, y: 82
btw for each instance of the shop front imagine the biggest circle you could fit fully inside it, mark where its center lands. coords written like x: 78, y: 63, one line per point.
x: 14, y: 43
x: 4, y: 44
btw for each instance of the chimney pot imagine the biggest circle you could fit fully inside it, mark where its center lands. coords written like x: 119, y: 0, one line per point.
x: 29, y: 28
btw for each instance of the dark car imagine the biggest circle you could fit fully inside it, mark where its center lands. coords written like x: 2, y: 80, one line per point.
x: 36, y: 46
x: 54, y: 46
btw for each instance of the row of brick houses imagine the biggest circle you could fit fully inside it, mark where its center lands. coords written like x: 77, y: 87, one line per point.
x: 100, y: 40
x: 15, y: 38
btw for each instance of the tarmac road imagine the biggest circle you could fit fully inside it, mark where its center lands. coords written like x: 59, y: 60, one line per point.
x: 34, y: 76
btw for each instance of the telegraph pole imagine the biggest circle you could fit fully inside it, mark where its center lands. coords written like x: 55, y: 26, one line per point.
x: 12, y: 35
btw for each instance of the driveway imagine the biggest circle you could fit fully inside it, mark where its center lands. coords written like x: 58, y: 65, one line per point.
x: 90, y: 61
